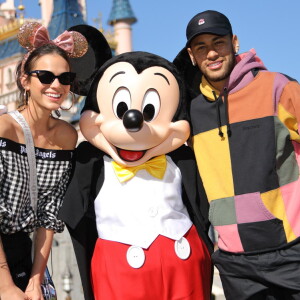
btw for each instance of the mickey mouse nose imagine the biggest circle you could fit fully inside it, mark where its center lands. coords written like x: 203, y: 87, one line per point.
x: 133, y: 120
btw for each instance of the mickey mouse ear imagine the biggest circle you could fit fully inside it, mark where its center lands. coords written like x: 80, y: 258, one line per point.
x: 190, y: 73
x: 86, y: 66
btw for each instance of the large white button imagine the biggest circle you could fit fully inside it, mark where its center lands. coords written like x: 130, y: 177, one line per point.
x: 152, y: 211
x: 135, y: 256
x: 182, y: 248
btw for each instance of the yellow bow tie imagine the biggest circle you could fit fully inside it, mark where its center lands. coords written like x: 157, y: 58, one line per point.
x: 156, y: 167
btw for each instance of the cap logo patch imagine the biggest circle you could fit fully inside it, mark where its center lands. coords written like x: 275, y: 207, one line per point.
x: 201, y: 22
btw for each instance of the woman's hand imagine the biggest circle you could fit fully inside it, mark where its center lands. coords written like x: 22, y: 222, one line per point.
x: 43, y: 242
x: 13, y: 292
x: 33, y: 290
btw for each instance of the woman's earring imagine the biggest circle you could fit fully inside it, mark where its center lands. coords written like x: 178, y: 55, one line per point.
x: 73, y: 101
x: 57, y: 112
x: 25, y: 97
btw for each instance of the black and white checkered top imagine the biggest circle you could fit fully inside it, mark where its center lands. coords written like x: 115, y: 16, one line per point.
x: 53, y: 172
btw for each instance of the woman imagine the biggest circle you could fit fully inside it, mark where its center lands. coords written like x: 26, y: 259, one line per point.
x: 44, y: 81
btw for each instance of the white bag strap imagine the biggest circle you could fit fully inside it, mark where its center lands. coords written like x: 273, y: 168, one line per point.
x: 33, y: 188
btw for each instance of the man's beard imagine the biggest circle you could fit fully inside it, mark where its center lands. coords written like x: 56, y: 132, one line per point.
x: 225, y: 74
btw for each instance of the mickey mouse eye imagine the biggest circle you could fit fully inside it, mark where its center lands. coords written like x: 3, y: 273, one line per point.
x: 121, y: 102
x: 151, y: 105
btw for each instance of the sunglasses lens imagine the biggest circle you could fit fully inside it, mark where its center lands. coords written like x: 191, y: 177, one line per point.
x: 45, y: 77
x: 66, y: 78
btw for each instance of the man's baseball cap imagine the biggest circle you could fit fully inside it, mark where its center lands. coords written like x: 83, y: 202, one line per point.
x: 209, y: 21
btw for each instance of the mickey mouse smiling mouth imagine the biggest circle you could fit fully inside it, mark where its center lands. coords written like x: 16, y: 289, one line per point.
x: 129, y: 155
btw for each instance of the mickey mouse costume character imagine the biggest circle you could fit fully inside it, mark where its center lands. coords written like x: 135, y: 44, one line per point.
x: 135, y: 207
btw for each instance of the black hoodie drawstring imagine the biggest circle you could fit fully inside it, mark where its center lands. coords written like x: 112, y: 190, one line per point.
x: 226, y: 111
x: 217, y: 100
x: 221, y: 134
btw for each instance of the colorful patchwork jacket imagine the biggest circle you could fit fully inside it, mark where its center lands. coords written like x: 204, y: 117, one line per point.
x: 247, y: 147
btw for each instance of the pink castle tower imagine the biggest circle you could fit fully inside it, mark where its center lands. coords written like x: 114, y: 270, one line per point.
x: 121, y: 18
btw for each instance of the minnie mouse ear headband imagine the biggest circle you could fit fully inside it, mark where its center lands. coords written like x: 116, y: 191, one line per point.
x: 87, y: 65
x: 34, y: 35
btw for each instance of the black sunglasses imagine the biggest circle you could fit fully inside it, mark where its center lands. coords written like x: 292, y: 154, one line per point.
x: 47, y: 77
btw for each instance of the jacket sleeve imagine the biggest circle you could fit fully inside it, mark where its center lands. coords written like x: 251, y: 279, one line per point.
x: 77, y: 210
x: 84, y: 184
x: 84, y: 237
x: 289, y: 106
x: 193, y: 193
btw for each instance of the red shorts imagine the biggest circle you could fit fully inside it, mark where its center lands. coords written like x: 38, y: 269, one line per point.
x: 163, y: 276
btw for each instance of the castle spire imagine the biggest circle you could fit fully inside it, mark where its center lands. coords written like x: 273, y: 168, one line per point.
x: 66, y: 13
x: 121, y: 17
x: 121, y: 11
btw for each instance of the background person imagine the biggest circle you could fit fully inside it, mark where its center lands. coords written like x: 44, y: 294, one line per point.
x: 44, y: 80
x: 246, y: 141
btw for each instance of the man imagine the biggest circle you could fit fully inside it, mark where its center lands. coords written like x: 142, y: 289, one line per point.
x: 246, y: 140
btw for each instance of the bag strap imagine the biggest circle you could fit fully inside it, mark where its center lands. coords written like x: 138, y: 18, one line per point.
x: 33, y: 187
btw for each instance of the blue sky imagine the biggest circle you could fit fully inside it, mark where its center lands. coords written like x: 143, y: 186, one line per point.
x: 269, y: 26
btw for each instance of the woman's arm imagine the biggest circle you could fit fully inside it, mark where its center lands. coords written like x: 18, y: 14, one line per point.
x: 43, y: 243
x: 8, y: 290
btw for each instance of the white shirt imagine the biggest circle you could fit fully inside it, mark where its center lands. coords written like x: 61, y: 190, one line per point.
x: 137, y: 211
